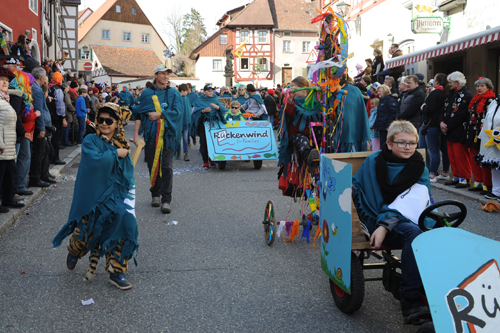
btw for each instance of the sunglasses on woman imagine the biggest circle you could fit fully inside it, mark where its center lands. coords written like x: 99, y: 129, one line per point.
x: 108, y: 121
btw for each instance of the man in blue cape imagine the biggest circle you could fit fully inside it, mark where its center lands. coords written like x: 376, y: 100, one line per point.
x: 206, y: 108
x: 254, y: 104
x: 102, y: 216
x: 158, y: 115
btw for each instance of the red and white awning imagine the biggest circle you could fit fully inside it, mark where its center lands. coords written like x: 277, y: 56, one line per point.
x: 480, y: 38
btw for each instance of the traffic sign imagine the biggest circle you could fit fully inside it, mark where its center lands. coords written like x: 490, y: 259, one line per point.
x: 87, y: 66
x: 313, y: 56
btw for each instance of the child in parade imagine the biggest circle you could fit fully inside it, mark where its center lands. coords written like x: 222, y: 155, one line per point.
x: 234, y: 114
x: 81, y: 114
x: 373, y: 117
x: 254, y: 104
x: 183, y: 130
x: 102, y: 217
x: 206, y: 108
x: 390, y: 191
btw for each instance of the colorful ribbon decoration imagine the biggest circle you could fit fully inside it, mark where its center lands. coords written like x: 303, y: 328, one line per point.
x: 160, y: 130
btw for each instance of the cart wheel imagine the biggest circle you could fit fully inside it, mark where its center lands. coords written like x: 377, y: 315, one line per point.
x: 349, y: 303
x: 269, y: 223
x: 222, y: 165
x: 257, y: 164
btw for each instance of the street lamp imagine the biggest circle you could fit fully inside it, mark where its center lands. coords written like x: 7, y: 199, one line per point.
x: 343, y: 7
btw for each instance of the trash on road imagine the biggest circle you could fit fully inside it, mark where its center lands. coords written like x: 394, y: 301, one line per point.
x: 490, y: 206
x: 172, y: 223
x: 22, y: 272
x: 88, y: 302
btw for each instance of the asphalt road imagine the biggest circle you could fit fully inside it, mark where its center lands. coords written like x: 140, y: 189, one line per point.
x: 211, y: 271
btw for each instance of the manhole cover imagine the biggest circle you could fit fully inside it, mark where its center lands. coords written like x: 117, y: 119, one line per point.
x: 75, y: 165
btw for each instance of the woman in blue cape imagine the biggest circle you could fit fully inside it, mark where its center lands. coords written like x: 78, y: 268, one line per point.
x: 295, y: 127
x: 102, y: 217
x: 206, y: 108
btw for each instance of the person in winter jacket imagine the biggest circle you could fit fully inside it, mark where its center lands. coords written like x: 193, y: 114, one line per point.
x: 386, y: 112
x: 377, y: 65
x: 57, y: 112
x: 477, y: 110
x: 70, y: 116
x: 183, y: 130
x: 452, y: 121
x: 81, y: 114
x: 430, y: 133
x: 7, y: 143
x: 271, y: 103
x: 254, y: 104
x: 411, y: 103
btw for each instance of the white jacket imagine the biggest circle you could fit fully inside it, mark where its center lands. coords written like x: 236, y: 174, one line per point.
x: 8, y: 118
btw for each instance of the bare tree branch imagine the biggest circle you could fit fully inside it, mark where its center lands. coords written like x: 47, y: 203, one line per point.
x: 173, y: 27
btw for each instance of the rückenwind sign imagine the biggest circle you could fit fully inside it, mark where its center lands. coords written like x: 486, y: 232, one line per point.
x: 429, y: 25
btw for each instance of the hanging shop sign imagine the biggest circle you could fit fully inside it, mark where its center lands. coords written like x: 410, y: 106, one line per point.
x: 429, y: 25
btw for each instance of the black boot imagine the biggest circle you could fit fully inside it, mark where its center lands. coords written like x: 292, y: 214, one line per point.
x: 414, y: 310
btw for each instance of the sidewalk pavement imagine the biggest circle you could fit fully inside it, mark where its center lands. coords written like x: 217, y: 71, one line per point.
x: 67, y: 155
x: 463, y: 192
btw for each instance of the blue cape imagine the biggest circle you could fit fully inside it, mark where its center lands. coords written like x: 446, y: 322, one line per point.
x: 103, y: 183
x: 367, y: 195
x: 241, y: 99
x: 257, y: 97
x: 353, y: 130
x: 192, y: 97
x: 170, y: 102
x: 214, y: 116
x: 127, y: 98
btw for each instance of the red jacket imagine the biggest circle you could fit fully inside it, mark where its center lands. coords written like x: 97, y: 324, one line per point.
x: 29, y: 124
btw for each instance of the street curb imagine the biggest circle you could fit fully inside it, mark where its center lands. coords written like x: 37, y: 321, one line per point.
x: 14, y: 214
x: 461, y: 192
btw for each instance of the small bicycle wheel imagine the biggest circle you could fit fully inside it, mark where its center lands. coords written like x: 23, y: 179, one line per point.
x: 349, y: 303
x: 222, y: 165
x: 257, y: 164
x: 269, y: 223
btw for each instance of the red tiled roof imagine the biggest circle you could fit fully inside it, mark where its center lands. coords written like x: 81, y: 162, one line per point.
x: 129, y: 61
x: 89, y: 23
x: 255, y: 14
x: 294, y: 14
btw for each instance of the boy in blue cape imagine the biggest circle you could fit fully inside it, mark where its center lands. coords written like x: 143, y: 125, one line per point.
x: 390, y: 191
x: 159, y: 149
x: 183, y: 130
x: 102, y: 216
x: 206, y: 108
x: 254, y: 104
x: 192, y: 96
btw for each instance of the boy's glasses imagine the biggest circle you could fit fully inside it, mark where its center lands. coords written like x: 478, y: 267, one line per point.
x: 403, y: 145
x: 235, y: 108
x: 108, y: 121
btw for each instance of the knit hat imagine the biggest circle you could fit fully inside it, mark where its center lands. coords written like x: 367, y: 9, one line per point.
x: 420, y: 76
x: 73, y: 84
x: 95, y: 90
x: 270, y: 91
x: 484, y: 80
x: 57, y: 76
